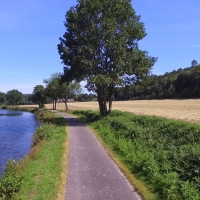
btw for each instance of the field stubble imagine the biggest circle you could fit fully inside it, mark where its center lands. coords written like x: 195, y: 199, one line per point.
x: 187, y: 110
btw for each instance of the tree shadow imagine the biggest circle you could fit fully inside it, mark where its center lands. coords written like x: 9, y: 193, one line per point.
x: 75, y: 122
x: 69, y: 121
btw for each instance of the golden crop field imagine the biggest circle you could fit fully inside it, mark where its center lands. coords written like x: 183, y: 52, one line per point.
x: 188, y: 110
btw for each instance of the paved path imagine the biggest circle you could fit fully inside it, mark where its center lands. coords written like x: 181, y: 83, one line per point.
x: 91, y: 173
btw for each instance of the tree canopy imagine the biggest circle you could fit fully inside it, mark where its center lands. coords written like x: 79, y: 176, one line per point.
x: 39, y: 95
x: 194, y: 63
x: 53, y: 87
x: 100, y: 45
x: 14, y: 97
x: 2, y: 98
x: 56, y: 89
x: 181, y: 83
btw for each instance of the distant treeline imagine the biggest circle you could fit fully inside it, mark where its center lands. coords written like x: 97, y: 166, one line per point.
x: 15, y: 97
x: 181, y: 83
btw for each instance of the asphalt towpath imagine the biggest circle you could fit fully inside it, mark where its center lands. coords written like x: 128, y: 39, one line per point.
x: 91, y: 172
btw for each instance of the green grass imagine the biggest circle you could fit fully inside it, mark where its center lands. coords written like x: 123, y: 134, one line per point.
x: 163, y: 153
x: 27, y: 109
x: 40, y: 171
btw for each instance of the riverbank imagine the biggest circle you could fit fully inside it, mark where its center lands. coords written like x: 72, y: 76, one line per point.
x: 19, y: 108
x: 40, y: 174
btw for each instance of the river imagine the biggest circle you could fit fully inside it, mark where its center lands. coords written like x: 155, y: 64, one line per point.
x: 16, y: 130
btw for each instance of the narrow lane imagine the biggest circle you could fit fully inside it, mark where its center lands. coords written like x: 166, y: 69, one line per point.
x: 91, y: 173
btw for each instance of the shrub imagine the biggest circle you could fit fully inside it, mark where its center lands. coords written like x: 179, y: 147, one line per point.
x: 10, y: 182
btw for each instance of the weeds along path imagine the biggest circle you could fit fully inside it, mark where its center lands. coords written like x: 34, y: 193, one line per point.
x: 91, y: 173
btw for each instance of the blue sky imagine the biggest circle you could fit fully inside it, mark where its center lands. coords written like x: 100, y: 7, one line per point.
x: 29, y: 32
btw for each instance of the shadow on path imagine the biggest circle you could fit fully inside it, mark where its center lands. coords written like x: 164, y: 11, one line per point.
x: 71, y: 120
x: 75, y: 122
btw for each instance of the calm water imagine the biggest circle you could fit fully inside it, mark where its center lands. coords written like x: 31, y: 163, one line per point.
x: 16, y: 130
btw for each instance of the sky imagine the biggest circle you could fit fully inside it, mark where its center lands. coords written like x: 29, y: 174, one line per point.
x: 30, y: 31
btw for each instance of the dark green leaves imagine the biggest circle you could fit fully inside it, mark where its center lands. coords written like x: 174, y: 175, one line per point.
x: 100, y: 45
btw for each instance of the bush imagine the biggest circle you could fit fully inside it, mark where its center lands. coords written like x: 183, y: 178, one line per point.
x: 10, y: 182
x: 43, y: 132
x: 91, y: 115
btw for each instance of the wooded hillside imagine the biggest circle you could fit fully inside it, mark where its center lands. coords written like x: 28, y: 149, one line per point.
x: 181, y: 83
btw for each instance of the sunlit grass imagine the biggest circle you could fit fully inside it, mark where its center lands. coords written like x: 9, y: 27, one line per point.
x: 161, y: 152
x: 42, y: 173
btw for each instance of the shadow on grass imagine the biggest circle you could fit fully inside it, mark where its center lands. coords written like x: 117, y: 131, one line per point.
x: 59, y: 121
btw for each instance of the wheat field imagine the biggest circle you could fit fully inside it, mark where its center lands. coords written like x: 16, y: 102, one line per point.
x: 188, y: 110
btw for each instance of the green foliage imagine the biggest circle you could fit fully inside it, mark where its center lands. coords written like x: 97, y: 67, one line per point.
x: 11, y: 181
x: 181, y: 83
x: 43, y: 132
x: 27, y: 100
x: 2, y: 98
x: 17, y: 108
x: 3, y: 107
x: 68, y: 90
x: 106, y: 53
x: 14, y: 97
x: 91, y: 115
x: 42, y: 172
x: 39, y: 95
x: 44, y: 115
x: 194, y: 63
x: 162, y: 152
x: 85, y: 97
x: 57, y: 89
x: 52, y: 87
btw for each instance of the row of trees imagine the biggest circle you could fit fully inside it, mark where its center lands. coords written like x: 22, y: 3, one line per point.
x: 55, y: 89
x: 181, y: 83
x: 14, y: 97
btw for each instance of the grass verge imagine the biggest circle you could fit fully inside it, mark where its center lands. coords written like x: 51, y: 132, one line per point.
x: 161, y: 152
x: 17, y: 108
x: 90, y: 117
x: 40, y: 175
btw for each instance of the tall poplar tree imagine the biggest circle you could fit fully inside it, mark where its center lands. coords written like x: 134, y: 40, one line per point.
x: 100, y: 45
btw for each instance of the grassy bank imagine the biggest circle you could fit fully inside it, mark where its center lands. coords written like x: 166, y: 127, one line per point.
x: 17, y: 108
x: 39, y: 174
x: 161, y: 152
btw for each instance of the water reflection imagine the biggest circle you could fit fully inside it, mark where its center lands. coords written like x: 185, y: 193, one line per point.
x: 16, y: 130
x: 10, y: 113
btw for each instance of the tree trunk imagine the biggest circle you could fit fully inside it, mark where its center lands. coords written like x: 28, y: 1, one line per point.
x: 66, y: 105
x: 110, y: 98
x: 102, y: 107
x: 41, y: 105
x: 53, y: 105
x: 110, y: 105
x: 102, y: 97
x: 65, y: 101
